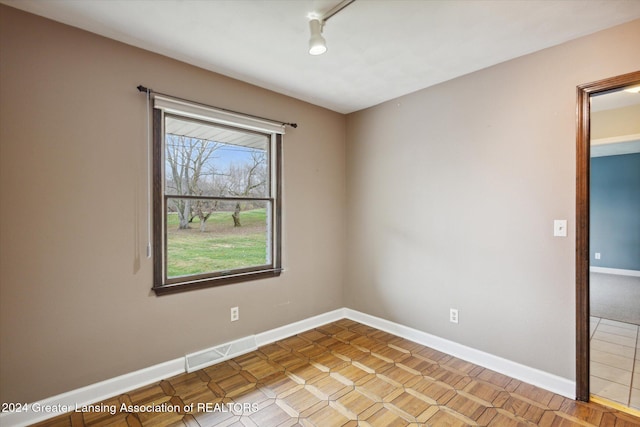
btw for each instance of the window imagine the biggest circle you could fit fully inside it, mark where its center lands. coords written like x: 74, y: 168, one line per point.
x: 216, y: 196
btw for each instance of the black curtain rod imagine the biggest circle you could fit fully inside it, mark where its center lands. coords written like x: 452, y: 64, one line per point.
x: 147, y: 90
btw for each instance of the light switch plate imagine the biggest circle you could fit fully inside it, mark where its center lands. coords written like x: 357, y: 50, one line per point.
x: 560, y: 228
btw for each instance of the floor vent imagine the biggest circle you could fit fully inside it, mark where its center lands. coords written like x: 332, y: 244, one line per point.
x: 220, y: 353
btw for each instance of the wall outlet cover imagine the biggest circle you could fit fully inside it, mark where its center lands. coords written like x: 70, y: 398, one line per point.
x: 560, y: 228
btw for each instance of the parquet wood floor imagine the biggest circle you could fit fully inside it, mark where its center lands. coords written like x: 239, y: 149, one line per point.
x: 347, y: 374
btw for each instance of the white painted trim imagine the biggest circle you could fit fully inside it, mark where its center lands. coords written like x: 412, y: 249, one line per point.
x: 218, y: 354
x: 616, y: 139
x: 618, y: 271
x: 124, y: 383
x: 112, y: 387
x: 287, y: 331
x: 551, y: 382
x: 93, y: 393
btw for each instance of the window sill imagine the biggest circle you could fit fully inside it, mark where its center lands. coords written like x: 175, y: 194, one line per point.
x: 215, y: 281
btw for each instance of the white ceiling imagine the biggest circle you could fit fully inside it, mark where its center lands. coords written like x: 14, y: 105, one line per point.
x: 378, y: 49
x: 617, y: 145
x: 616, y: 99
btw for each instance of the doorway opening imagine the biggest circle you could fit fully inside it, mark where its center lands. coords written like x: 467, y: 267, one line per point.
x: 584, y: 254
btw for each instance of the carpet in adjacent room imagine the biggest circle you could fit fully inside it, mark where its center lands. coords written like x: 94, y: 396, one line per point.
x: 615, y: 297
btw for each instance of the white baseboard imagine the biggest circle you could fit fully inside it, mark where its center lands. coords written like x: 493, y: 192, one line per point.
x: 54, y: 406
x: 121, y: 384
x: 218, y: 354
x: 545, y: 380
x: 115, y: 386
x: 291, y: 329
x: 618, y: 271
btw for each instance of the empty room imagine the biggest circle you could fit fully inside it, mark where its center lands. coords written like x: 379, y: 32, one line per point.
x: 318, y: 212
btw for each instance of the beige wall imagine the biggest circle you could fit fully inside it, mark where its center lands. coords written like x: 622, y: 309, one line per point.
x: 76, y: 305
x: 452, y: 195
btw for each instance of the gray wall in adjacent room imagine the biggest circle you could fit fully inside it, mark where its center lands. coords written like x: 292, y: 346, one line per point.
x: 615, y: 211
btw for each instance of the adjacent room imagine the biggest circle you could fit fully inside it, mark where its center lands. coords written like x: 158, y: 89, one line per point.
x: 313, y: 212
x: 615, y: 245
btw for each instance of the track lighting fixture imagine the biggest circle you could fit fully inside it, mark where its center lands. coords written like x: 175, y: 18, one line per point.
x: 317, y: 43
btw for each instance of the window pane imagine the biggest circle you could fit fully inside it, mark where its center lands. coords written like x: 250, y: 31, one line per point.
x: 208, y: 160
x: 217, y: 235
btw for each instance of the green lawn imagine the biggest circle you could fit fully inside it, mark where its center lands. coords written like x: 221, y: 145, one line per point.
x: 221, y: 247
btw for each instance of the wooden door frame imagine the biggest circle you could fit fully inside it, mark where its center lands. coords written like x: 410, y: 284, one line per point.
x: 583, y: 156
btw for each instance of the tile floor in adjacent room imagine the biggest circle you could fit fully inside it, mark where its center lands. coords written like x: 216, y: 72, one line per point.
x: 347, y: 374
x: 615, y: 361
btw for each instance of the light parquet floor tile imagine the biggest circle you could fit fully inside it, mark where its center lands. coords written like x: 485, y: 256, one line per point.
x: 347, y: 374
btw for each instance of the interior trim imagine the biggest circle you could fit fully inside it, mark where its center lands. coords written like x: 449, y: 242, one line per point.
x: 616, y: 271
x: 616, y: 139
x: 93, y: 393
x: 124, y: 383
x: 542, y: 379
x: 583, y: 147
x: 615, y: 405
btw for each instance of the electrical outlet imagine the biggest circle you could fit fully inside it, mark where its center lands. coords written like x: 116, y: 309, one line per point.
x: 597, y: 255
x: 235, y: 314
x: 453, y: 315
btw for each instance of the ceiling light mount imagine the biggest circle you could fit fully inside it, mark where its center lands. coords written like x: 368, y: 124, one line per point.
x: 317, y: 43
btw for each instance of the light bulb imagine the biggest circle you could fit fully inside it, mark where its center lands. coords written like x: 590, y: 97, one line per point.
x: 317, y: 44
